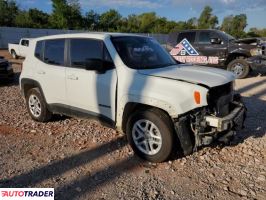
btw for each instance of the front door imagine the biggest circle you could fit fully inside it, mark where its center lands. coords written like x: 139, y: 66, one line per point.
x: 89, y: 91
x: 213, y: 54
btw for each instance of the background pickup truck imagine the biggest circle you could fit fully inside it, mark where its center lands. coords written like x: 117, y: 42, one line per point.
x: 217, y: 49
x: 20, y: 49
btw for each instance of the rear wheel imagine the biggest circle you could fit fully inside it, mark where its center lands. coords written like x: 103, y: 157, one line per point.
x: 37, y: 106
x: 239, y: 67
x: 150, y: 134
x: 13, y: 54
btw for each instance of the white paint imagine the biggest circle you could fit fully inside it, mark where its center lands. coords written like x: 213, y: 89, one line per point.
x: 171, y: 88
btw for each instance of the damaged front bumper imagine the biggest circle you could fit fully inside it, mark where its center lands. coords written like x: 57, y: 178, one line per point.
x: 206, y: 128
x: 257, y: 62
x: 233, y: 121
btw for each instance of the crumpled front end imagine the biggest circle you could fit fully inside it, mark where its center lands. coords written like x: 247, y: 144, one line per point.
x: 224, y: 115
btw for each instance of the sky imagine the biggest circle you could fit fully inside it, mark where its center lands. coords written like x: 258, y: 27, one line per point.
x: 171, y: 9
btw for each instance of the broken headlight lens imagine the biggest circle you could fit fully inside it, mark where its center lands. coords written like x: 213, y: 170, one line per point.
x: 256, y: 52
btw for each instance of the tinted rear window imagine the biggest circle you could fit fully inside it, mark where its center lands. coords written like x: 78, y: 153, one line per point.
x: 39, y: 50
x: 190, y: 36
x: 54, y: 52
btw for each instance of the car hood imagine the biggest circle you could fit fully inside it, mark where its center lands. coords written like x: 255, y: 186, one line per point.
x: 207, y: 76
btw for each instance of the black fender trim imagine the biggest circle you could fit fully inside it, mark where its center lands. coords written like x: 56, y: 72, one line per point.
x: 184, y: 135
x: 31, y: 82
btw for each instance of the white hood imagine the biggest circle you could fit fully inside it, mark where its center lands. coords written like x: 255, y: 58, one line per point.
x: 192, y: 73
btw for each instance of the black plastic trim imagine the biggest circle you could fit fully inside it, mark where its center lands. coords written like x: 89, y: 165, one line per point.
x: 81, y: 113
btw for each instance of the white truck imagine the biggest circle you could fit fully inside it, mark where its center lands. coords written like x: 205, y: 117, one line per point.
x: 134, y: 85
x: 20, y: 49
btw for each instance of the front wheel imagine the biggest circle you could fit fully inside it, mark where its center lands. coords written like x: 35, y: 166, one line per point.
x: 239, y: 67
x: 150, y: 134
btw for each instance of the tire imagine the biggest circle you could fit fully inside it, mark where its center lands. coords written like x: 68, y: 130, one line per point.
x: 157, y: 123
x: 37, y: 106
x: 13, y: 54
x: 239, y: 67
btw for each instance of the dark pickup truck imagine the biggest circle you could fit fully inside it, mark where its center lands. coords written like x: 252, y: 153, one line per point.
x: 6, y: 71
x: 217, y: 49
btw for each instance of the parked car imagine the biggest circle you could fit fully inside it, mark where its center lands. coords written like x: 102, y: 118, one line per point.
x: 216, y: 49
x: 20, y: 49
x: 133, y: 84
x: 6, y: 70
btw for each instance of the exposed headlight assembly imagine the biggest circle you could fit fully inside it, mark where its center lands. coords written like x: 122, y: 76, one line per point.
x: 256, y: 52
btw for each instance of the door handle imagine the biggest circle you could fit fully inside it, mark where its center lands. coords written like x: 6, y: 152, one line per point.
x: 41, y: 72
x: 72, y: 77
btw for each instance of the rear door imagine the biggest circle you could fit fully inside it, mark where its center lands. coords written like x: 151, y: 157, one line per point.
x: 184, y: 50
x: 50, y: 70
x: 89, y: 91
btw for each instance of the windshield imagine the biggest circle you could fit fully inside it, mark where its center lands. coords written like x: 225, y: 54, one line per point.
x: 227, y: 36
x: 142, y: 52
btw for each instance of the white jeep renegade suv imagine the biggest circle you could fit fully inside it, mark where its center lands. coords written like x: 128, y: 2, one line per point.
x: 132, y: 83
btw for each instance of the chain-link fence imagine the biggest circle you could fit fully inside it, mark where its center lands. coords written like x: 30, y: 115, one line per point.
x: 13, y: 35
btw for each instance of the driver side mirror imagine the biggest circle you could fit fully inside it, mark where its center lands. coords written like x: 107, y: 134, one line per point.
x: 99, y: 65
x: 216, y: 41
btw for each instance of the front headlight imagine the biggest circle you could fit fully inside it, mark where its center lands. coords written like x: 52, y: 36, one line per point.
x: 256, y: 52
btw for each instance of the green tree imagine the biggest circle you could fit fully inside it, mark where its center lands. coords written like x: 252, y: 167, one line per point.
x: 207, y: 19
x: 58, y: 17
x: 74, y: 16
x: 110, y: 20
x: 227, y: 24
x: 235, y: 25
x: 192, y: 23
x: 255, y: 32
x: 147, y: 22
x: 66, y: 15
x: 38, y: 18
x: 8, y: 12
x: 23, y: 20
x: 92, y: 20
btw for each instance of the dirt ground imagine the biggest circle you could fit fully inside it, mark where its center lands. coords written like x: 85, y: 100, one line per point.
x: 82, y: 159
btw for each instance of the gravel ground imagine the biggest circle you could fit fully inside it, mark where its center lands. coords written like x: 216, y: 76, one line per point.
x: 82, y: 159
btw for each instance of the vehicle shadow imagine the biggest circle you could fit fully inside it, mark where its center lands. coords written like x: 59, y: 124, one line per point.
x: 36, y: 176
x: 84, y: 185
x: 257, y: 72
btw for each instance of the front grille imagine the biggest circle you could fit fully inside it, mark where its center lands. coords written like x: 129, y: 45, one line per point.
x: 219, y: 99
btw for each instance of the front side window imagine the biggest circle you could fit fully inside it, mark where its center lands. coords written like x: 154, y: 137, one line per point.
x: 205, y: 37
x: 83, y: 50
x: 54, y: 52
x: 142, y: 52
